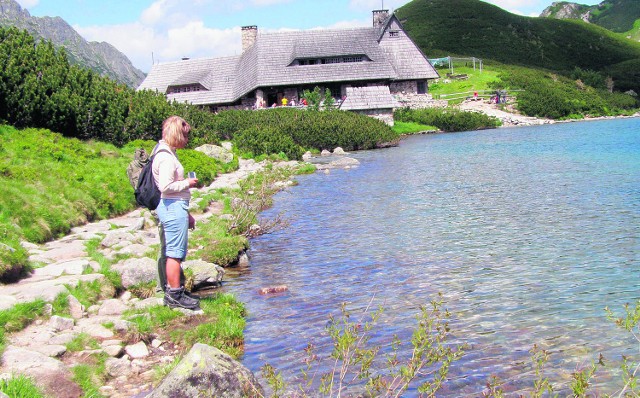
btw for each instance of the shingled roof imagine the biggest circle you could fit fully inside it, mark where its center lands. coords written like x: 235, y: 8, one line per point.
x: 370, y: 97
x: 270, y: 62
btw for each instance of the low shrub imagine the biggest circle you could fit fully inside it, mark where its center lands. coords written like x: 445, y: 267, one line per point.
x: 310, y: 129
x: 447, y: 119
x: 267, y: 140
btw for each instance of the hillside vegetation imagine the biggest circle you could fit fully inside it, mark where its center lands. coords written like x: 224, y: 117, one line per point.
x: 476, y: 28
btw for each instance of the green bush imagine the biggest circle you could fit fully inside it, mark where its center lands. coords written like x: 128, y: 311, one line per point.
x: 267, y: 140
x: 311, y: 129
x: 447, y: 119
x: 206, y: 168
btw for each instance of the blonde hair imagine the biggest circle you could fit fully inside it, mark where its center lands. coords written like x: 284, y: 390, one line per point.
x: 175, y: 131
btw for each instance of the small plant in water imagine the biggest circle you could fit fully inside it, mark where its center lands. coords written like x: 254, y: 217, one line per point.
x: 353, y: 359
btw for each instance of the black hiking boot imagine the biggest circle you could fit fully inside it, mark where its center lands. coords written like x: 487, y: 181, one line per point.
x: 178, y: 298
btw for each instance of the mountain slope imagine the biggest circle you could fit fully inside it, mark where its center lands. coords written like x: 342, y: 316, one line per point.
x: 101, y: 57
x: 616, y: 15
x: 476, y: 28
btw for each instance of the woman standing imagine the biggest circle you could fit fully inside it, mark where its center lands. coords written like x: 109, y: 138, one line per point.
x: 173, y: 209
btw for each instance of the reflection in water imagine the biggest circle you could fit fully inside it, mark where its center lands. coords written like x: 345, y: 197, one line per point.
x: 529, y: 233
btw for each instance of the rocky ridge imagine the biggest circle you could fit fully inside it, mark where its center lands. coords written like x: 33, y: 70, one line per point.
x: 101, y: 57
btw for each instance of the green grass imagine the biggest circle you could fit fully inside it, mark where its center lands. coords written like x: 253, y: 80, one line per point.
x: 20, y: 386
x: 18, y: 317
x: 224, y: 331
x: 82, y: 342
x: 477, y: 81
x: 412, y: 128
x: 634, y: 33
x: 221, y: 325
x: 91, y: 376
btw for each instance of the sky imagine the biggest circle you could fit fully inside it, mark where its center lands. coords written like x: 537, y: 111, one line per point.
x: 156, y: 31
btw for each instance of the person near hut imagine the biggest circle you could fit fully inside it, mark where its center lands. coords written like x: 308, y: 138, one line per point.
x: 173, y: 211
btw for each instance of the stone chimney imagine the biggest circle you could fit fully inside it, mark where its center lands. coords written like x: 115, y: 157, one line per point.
x: 249, y: 36
x: 380, y: 17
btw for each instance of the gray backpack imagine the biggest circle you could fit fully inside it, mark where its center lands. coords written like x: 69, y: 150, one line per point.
x: 140, y: 159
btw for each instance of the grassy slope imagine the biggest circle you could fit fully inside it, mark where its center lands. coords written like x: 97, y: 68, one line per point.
x: 475, y: 28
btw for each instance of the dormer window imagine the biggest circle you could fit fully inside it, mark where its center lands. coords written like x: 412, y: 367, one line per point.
x: 330, y: 60
x: 184, y: 89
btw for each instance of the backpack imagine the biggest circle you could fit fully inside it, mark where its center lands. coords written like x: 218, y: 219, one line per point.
x: 140, y: 158
x: 146, y: 192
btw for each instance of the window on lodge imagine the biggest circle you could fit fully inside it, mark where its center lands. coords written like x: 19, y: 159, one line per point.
x: 184, y: 89
x: 332, y: 60
x: 394, y: 33
x: 422, y: 87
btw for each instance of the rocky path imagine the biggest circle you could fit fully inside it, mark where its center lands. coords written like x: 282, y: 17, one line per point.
x: 509, y: 119
x: 39, y: 350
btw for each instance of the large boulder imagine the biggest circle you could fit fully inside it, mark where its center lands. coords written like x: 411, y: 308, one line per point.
x: 204, y: 274
x: 208, y: 372
x: 137, y: 270
x: 216, y: 152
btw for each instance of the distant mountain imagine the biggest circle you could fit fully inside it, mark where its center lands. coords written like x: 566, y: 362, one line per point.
x: 474, y: 28
x: 100, y: 57
x: 620, y: 16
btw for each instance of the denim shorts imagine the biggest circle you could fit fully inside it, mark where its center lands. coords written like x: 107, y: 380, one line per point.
x: 174, y: 216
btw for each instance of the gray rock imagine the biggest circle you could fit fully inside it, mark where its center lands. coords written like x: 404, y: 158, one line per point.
x: 117, y: 367
x: 146, y: 303
x: 325, y: 153
x: 307, y: 155
x: 204, y: 274
x: 29, y: 245
x: 49, y: 373
x: 7, y: 302
x: 137, y: 270
x: 97, y: 331
x: 156, y: 343
x: 50, y: 350
x: 243, y: 260
x: 27, y: 290
x: 75, y: 307
x: 61, y: 251
x: 339, y: 151
x: 59, y: 323
x: 72, y: 267
x: 117, y: 238
x: 135, y: 249
x: 216, y: 152
x: 137, y: 225
x: 137, y: 351
x: 207, y: 371
x: 340, y: 163
x: 121, y: 325
x: 62, y: 339
x: 107, y: 343
x: 126, y: 296
x: 112, y: 307
x: 114, y: 351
